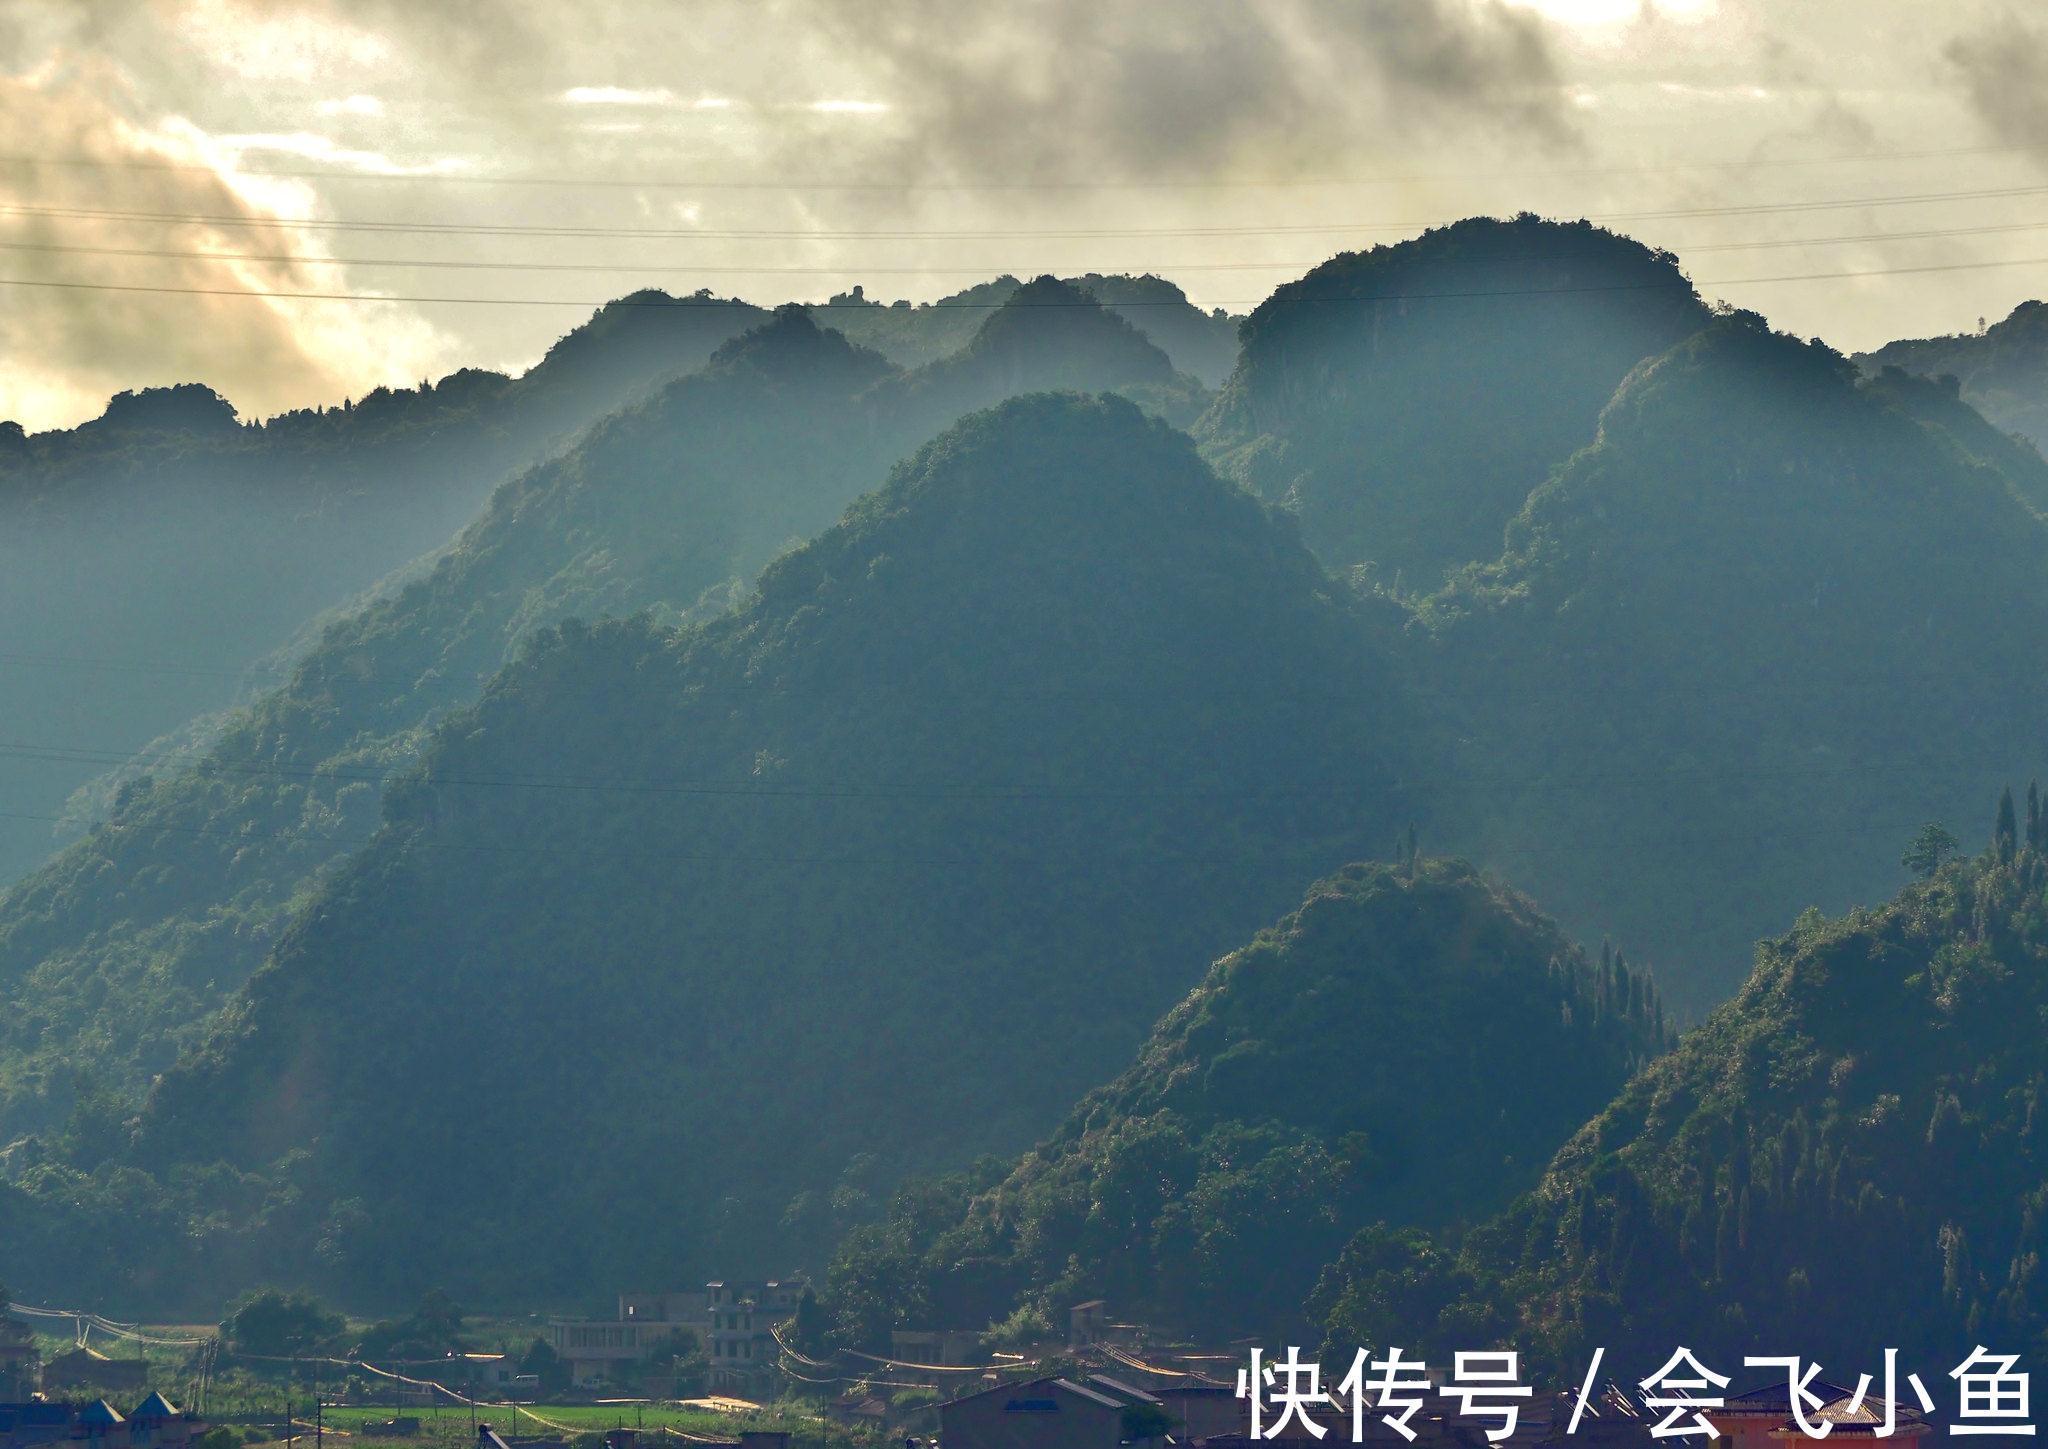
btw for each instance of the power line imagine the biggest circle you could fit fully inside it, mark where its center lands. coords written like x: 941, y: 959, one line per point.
x: 1145, y: 183
x: 963, y: 234
x: 749, y: 268
x: 1294, y: 299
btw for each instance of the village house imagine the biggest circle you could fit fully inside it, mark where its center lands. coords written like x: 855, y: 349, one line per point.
x: 1095, y: 1412
x: 734, y: 1321
x: 745, y: 1358
x: 20, y: 1363
x: 942, y: 1348
x: 602, y: 1350
x: 745, y: 1439
x: 85, y: 1367
x: 1762, y: 1418
x: 155, y: 1423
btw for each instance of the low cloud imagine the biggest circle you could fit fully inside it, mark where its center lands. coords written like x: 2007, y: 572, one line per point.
x: 1063, y: 86
x: 618, y: 96
x: 2003, y: 69
x: 77, y: 326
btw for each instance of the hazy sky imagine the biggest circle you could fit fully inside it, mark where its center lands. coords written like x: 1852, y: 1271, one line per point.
x: 760, y: 146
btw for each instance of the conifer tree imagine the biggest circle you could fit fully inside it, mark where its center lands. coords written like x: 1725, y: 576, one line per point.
x: 2005, y: 837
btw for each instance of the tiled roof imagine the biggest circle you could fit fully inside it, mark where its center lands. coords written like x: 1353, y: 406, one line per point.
x: 1087, y: 1393
x: 156, y: 1406
x: 1776, y: 1398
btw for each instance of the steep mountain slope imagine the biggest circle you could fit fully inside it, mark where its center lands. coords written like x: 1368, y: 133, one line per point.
x: 890, y: 864
x: 2003, y: 370
x: 1404, y: 400
x: 1410, y: 1043
x: 1938, y: 402
x: 116, y: 952
x: 1847, y: 1155
x: 148, y: 558
x: 1201, y: 344
x: 1051, y: 334
x: 1738, y: 648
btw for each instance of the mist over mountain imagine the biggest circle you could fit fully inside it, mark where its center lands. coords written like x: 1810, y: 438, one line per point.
x: 150, y: 558
x: 1201, y: 344
x: 1738, y: 648
x: 1409, y: 1044
x: 890, y: 860
x: 1847, y: 1153
x: 127, y: 941
x: 889, y: 865
x: 2002, y: 369
x: 1405, y: 400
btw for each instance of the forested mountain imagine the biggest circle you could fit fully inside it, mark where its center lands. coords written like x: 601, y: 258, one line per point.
x: 2003, y: 370
x: 881, y: 871
x: 1201, y: 344
x: 1405, y: 400
x: 1409, y: 1044
x: 117, y: 950
x: 1767, y: 623
x: 150, y: 557
x: 1848, y: 1156
x: 1938, y: 402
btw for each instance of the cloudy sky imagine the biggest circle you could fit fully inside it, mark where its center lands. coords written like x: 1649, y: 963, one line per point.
x: 454, y: 169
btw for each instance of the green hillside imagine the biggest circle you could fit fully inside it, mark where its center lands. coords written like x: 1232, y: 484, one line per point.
x: 1769, y: 622
x: 121, y: 947
x: 1845, y: 1156
x: 1409, y: 1044
x: 150, y: 558
x: 885, y: 868
x: 1404, y: 400
x: 2002, y: 369
x: 1201, y: 344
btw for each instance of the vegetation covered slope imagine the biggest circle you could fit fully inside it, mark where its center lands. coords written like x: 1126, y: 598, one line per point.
x: 1409, y: 1044
x: 1405, y: 400
x: 2003, y: 370
x: 891, y: 864
x: 1938, y: 403
x: 1847, y: 1156
x: 115, y: 953
x: 150, y: 557
x: 1201, y: 344
x: 1767, y: 623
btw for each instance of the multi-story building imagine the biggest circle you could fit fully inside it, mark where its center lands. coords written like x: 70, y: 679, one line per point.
x: 603, y: 1350
x: 743, y: 1317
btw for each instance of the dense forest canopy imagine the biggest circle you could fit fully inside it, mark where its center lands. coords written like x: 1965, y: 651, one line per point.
x: 2002, y: 370
x: 738, y: 877
x: 1025, y: 730
x: 122, y: 946
x: 1846, y: 1156
x: 1400, y: 1046
x: 153, y: 559
x: 1201, y: 344
x: 1405, y: 399
x: 1765, y: 624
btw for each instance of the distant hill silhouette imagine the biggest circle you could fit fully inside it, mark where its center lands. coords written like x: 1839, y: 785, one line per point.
x: 1404, y: 400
